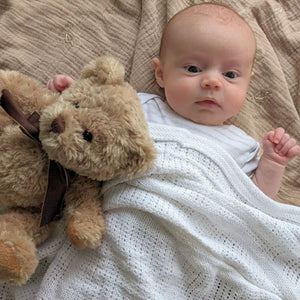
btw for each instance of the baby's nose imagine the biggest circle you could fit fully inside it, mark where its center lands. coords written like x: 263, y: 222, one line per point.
x: 211, y: 83
x: 58, y: 125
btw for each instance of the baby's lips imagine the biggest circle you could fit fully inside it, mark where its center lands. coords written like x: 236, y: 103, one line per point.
x: 209, y: 102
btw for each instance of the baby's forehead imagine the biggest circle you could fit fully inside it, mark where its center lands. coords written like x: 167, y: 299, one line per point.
x: 189, y: 16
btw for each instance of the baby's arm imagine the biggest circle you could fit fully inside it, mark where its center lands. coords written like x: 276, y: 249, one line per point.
x: 59, y: 83
x: 278, y: 150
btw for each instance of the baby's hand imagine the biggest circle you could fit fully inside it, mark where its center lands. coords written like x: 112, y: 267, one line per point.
x: 59, y: 83
x: 279, y: 146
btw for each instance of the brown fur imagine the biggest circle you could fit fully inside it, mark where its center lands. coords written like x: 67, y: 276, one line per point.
x: 30, y: 93
x: 100, y: 103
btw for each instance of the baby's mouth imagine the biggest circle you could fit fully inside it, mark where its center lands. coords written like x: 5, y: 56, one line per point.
x: 208, y: 103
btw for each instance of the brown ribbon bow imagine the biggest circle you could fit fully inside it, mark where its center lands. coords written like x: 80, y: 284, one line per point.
x: 58, y: 176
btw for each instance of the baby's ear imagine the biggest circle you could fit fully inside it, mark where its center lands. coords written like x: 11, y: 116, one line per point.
x: 157, y: 65
x: 105, y: 70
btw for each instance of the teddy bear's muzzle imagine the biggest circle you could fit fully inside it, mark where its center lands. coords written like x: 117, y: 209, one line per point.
x: 58, y: 125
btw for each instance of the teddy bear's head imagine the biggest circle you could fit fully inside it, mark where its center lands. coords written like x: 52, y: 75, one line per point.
x: 97, y: 127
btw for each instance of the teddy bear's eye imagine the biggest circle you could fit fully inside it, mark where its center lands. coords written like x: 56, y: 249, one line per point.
x: 76, y: 105
x: 87, y: 136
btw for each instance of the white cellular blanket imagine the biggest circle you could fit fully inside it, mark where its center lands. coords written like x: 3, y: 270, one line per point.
x: 193, y: 227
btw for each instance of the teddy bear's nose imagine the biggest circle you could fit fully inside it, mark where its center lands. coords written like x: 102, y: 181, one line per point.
x: 58, y: 125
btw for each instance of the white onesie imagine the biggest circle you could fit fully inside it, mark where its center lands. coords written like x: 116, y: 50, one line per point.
x: 243, y: 148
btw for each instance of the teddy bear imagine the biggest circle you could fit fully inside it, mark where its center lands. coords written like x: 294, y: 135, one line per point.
x: 92, y: 132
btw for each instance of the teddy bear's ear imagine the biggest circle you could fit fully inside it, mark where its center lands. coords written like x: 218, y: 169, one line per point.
x: 105, y: 70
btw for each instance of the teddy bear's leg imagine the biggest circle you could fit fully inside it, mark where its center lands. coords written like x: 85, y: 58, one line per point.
x: 19, y: 235
x: 85, y: 219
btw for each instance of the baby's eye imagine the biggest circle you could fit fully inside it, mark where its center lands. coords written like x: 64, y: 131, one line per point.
x: 193, y: 69
x: 231, y: 75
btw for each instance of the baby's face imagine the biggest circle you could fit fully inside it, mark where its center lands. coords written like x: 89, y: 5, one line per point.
x: 205, y: 69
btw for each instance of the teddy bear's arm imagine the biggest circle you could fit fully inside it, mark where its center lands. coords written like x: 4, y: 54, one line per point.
x: 84, y: 213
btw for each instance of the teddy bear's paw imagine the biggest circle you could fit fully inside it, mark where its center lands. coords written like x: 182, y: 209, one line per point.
x: 85, y: 232
x: 17, y: 261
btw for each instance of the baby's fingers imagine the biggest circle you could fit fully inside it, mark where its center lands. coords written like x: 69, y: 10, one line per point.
x: 59, y: 83
x: 293, y: 152
x: 50, y: 86
x: 269, y: 136
x: 287, y: 147
x: 285, y: 138
x: 278, y: 134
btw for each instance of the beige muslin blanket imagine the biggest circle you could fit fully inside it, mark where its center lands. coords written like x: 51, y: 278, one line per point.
x: 42, y: 38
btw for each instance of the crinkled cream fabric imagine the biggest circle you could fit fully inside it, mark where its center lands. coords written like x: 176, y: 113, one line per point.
x: 43, y: 38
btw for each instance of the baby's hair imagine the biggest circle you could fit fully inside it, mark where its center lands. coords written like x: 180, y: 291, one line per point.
x: 221, y: 12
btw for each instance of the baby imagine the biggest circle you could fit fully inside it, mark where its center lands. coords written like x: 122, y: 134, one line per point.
x: 205, y: 65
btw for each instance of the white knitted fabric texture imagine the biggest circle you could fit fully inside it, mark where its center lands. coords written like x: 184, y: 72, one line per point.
x: 193, y: 227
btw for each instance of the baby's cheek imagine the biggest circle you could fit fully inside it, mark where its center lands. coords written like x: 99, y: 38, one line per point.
x: 238, y: 100
x: 180, y: 88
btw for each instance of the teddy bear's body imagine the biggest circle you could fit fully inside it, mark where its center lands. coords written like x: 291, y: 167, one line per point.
x: 96, y: 128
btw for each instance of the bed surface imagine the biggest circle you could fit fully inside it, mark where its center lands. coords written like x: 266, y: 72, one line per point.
x: 43, y: 38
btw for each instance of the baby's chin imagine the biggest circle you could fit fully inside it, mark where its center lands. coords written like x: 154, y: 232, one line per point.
x: 203, y: 117
x: 207, y: 121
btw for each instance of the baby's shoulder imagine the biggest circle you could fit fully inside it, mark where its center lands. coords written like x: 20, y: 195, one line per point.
x: 239, y: 136
x: 145, y: 98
